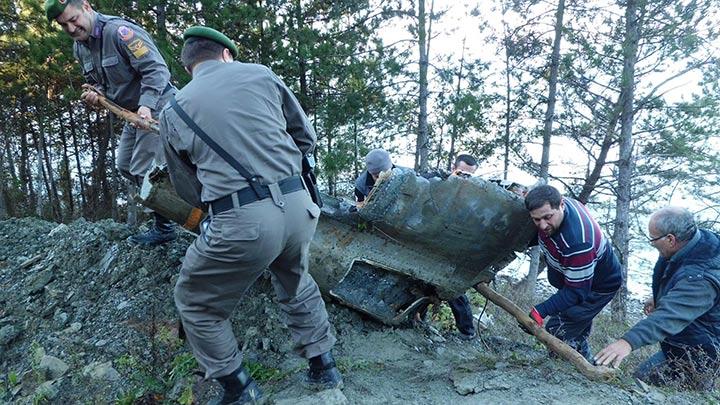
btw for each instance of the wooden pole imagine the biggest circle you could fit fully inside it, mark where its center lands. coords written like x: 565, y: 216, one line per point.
x: 595, y: 373
x: 126, y: 115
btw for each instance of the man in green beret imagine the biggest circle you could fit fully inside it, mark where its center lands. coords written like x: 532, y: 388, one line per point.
x: 243, y: 133
x: 120, y: 59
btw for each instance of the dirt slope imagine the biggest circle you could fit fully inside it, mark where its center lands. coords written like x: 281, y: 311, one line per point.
x: 87, y: 318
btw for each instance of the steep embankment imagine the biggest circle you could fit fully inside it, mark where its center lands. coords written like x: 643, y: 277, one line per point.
x: 87, y: 318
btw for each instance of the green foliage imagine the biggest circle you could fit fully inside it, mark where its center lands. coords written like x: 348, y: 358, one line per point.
x: 442, y: 316
x: 262, y: 373
x: 146, y: 379
x: 187, y: 397
x: 182, y: 366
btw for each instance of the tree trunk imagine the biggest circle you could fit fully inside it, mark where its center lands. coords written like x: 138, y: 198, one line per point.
x: 533, y: 272
x: 4, y: 197
x: 26, y: 181
x: 161, y: 19
x: 508, y: 105
x: 114, y: 183
x: 302, y: 63
x: 65, y: 177
x: 49, y: 175
x: 552, y: 92
x: 41, y: 178
x: 422, y: 147
x: 621, y: 236
x: 132, y: 207
x: 453, y: 130
x: 76, y: 147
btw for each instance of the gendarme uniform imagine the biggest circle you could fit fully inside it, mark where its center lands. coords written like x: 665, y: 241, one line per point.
x: 122, y: 61
x: 256, y: 119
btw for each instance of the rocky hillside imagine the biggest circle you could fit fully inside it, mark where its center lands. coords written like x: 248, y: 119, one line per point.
x: 87, y: 318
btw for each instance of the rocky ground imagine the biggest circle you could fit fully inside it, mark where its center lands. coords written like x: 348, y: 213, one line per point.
x: 87, y: 318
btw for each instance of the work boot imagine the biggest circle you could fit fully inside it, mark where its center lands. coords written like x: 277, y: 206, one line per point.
x: 162, y: 231
x: 323, y: 374
x: 239, y: 388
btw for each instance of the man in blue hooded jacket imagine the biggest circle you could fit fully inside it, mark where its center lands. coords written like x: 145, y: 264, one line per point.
x: 683, y: 314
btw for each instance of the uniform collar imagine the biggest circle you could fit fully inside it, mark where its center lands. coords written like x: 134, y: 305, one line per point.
x: 205, y: 66
x: 100, y: 21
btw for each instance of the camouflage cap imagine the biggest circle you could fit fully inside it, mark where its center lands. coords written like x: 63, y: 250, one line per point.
x: 54, y: 8
x: 213, y: 35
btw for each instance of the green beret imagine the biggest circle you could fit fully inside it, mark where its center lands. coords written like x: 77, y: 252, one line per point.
x: 54, y: 8
x: 213, y: 35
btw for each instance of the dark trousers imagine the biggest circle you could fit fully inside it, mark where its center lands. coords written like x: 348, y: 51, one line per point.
x: 573, y: 325
x: 462, y: 312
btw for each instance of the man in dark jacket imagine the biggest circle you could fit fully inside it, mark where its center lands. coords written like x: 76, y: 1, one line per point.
x: 376, y: 161
x: 684, y: 312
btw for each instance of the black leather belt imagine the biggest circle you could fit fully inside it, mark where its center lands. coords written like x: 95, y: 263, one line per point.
x: 248, y: 195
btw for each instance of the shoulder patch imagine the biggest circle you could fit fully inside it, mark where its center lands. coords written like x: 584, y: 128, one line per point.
x: 126, y: 33
x: 138, y: 48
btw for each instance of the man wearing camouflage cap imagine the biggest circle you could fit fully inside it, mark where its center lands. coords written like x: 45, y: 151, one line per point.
x: 243, y: 133
x: 120, y: 59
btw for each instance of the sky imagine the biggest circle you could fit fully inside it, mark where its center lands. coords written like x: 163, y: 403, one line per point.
x: 449, y: 33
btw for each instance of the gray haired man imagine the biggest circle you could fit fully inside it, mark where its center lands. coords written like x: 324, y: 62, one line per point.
x: 683, y: 314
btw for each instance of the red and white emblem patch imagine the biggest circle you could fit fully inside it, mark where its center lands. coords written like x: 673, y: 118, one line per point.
x: 125, y: 33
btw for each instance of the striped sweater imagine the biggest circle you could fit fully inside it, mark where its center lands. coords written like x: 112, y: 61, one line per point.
x: 579, y: 259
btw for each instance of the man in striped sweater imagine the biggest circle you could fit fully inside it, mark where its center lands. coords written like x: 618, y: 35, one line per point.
x: 581, y: 265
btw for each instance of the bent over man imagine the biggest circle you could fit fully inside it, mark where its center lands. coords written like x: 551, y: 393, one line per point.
x: 683, y: 314
x: 581, y: 265
x: 121, y: 60
x: 243, y: 133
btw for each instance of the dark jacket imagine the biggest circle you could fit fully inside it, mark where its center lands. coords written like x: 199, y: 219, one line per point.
x: 363, y: 184
x: 686, y: 290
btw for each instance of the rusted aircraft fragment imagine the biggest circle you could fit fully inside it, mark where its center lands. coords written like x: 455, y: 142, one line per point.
x: 413, y: 240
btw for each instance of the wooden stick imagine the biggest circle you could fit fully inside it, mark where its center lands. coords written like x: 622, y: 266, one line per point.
x: 595, y: 373
x: 126, y: 115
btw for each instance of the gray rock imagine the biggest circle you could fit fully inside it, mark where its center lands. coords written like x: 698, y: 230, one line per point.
x: 39, y: 282
x: 101, y: 371
x: 60, y: 318
x: 496, y: 383
x: 327, y: 397
x: 8, y: 333
x: 52, y: 367
x: 655, y: 397
x: 466, y: 384
x: 109, y: 259
x: 122, y: 305
x: 46, y: 390
x: 60, y: 229
x: 73, y: 328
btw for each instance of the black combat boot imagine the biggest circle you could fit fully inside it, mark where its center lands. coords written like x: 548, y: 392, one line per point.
x: 323, y: 374
x: 162, y: 231
x: 239, y: 388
